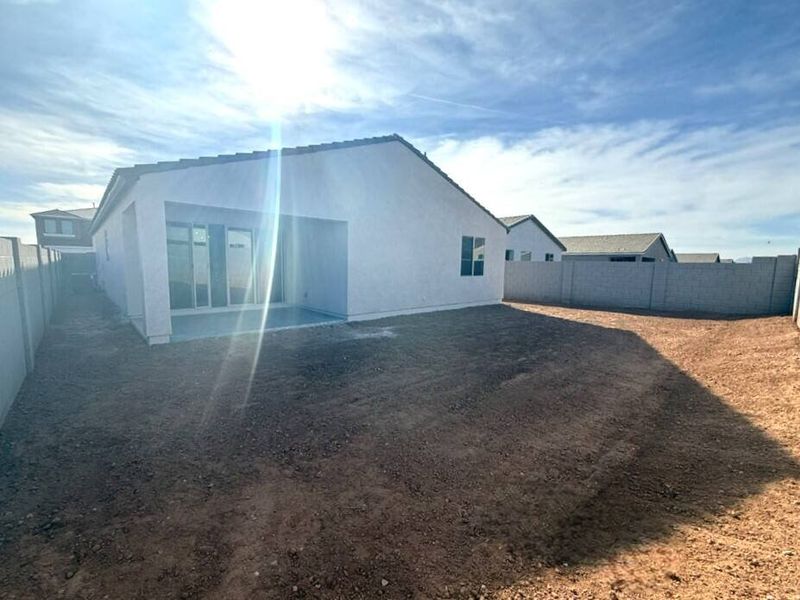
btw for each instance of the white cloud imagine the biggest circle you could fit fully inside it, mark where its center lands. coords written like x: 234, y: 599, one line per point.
x: 74, y: 192
x: 57, y: 164
x: 705, y: 189
x: 42, y: 144
x: 17, y: 221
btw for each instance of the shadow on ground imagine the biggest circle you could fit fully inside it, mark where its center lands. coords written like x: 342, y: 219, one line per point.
x: 413, y: 456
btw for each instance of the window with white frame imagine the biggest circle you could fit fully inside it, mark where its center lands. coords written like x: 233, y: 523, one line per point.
x: 59, y: 227
x: 472, y: 255
x: 548, y: 257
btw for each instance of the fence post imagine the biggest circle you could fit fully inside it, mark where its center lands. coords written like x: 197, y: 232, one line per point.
x: 19, y: 277
x: 796, y: 308
x: 40, y: 273
x: 50, y: 254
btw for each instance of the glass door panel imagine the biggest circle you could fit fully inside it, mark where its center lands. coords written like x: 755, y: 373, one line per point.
x: 201, y: 265
x: 269, y: 266
x: 240, y: 266
x: 216, y: 257
x: 179, y: 266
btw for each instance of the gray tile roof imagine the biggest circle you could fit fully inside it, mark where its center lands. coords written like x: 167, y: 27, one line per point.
x: 511, y: 221
x: 83, y: 213
x: 625, y: 243
x: 130, y: 174
x: 698, y: 257
x: 514, y: 221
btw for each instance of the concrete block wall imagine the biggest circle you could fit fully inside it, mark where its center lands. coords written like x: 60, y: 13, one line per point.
x: 598, y: 284
x: 30, y: 284
x: 762, y: 288
x: 546, y: 280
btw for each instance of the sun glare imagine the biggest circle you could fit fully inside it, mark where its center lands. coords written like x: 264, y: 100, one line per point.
x: 281, y: 51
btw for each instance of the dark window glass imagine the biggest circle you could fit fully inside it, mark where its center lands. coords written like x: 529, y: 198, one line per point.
x: 217, y: 271
x: 50, y: 226
x: 466, y: 248
x: 472, y: 255
x: 480, y: 246
x: 509, y: 255
x: 548, y: 257
x: 623, y: 259
x: 66, y: 227
x: 648, y: 259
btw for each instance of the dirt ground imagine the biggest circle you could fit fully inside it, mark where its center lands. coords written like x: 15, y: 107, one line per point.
x: 512, y: 451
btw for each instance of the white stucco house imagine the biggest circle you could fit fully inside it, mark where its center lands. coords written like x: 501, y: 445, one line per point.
x: 529, y: 240
x: 348, y: 230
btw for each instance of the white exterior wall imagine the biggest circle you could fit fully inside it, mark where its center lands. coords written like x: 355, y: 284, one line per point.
x: 404, y: 226
x: 528, y: 236
x: 111, y: 268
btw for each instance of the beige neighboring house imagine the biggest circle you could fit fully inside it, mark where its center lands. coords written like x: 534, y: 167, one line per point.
x: 698, y: 257
x: 626, y: 247
x: 529, y: 240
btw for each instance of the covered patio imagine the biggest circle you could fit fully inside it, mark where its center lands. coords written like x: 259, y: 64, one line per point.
x: 234, y: 271
x: 219, y: 324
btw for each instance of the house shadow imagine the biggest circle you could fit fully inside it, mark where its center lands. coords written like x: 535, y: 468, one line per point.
x: 485, y: 443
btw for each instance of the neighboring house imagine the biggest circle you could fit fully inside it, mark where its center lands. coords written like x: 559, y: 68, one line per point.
x: 65, y: 230
x: 698, y: 257
x: 529, y: 240
x: 68, y: 231
x: 628, y: 247
x: 348, y: 230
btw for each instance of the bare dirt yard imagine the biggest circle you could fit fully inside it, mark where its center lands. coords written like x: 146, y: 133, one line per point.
x: 512, y: 451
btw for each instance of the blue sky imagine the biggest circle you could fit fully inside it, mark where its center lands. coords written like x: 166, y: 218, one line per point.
x: 598, y: 117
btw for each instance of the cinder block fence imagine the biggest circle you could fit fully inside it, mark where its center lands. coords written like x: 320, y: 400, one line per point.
x: 764, y: 287
x: 30, y: 286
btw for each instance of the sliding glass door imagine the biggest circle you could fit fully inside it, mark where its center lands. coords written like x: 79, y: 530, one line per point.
x: 214, y: 266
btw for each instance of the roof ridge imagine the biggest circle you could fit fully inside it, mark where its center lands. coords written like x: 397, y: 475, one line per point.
x: 256, y: 154
x: 599, y: 235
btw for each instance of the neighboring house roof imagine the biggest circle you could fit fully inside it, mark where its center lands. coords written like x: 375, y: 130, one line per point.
x: 625, y: 243
x: 84, y: 213
x: 123, y: 178
x: 81, y: 213
x: 519, y: 219
x: 698, y: 257
x: 726, y: 260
